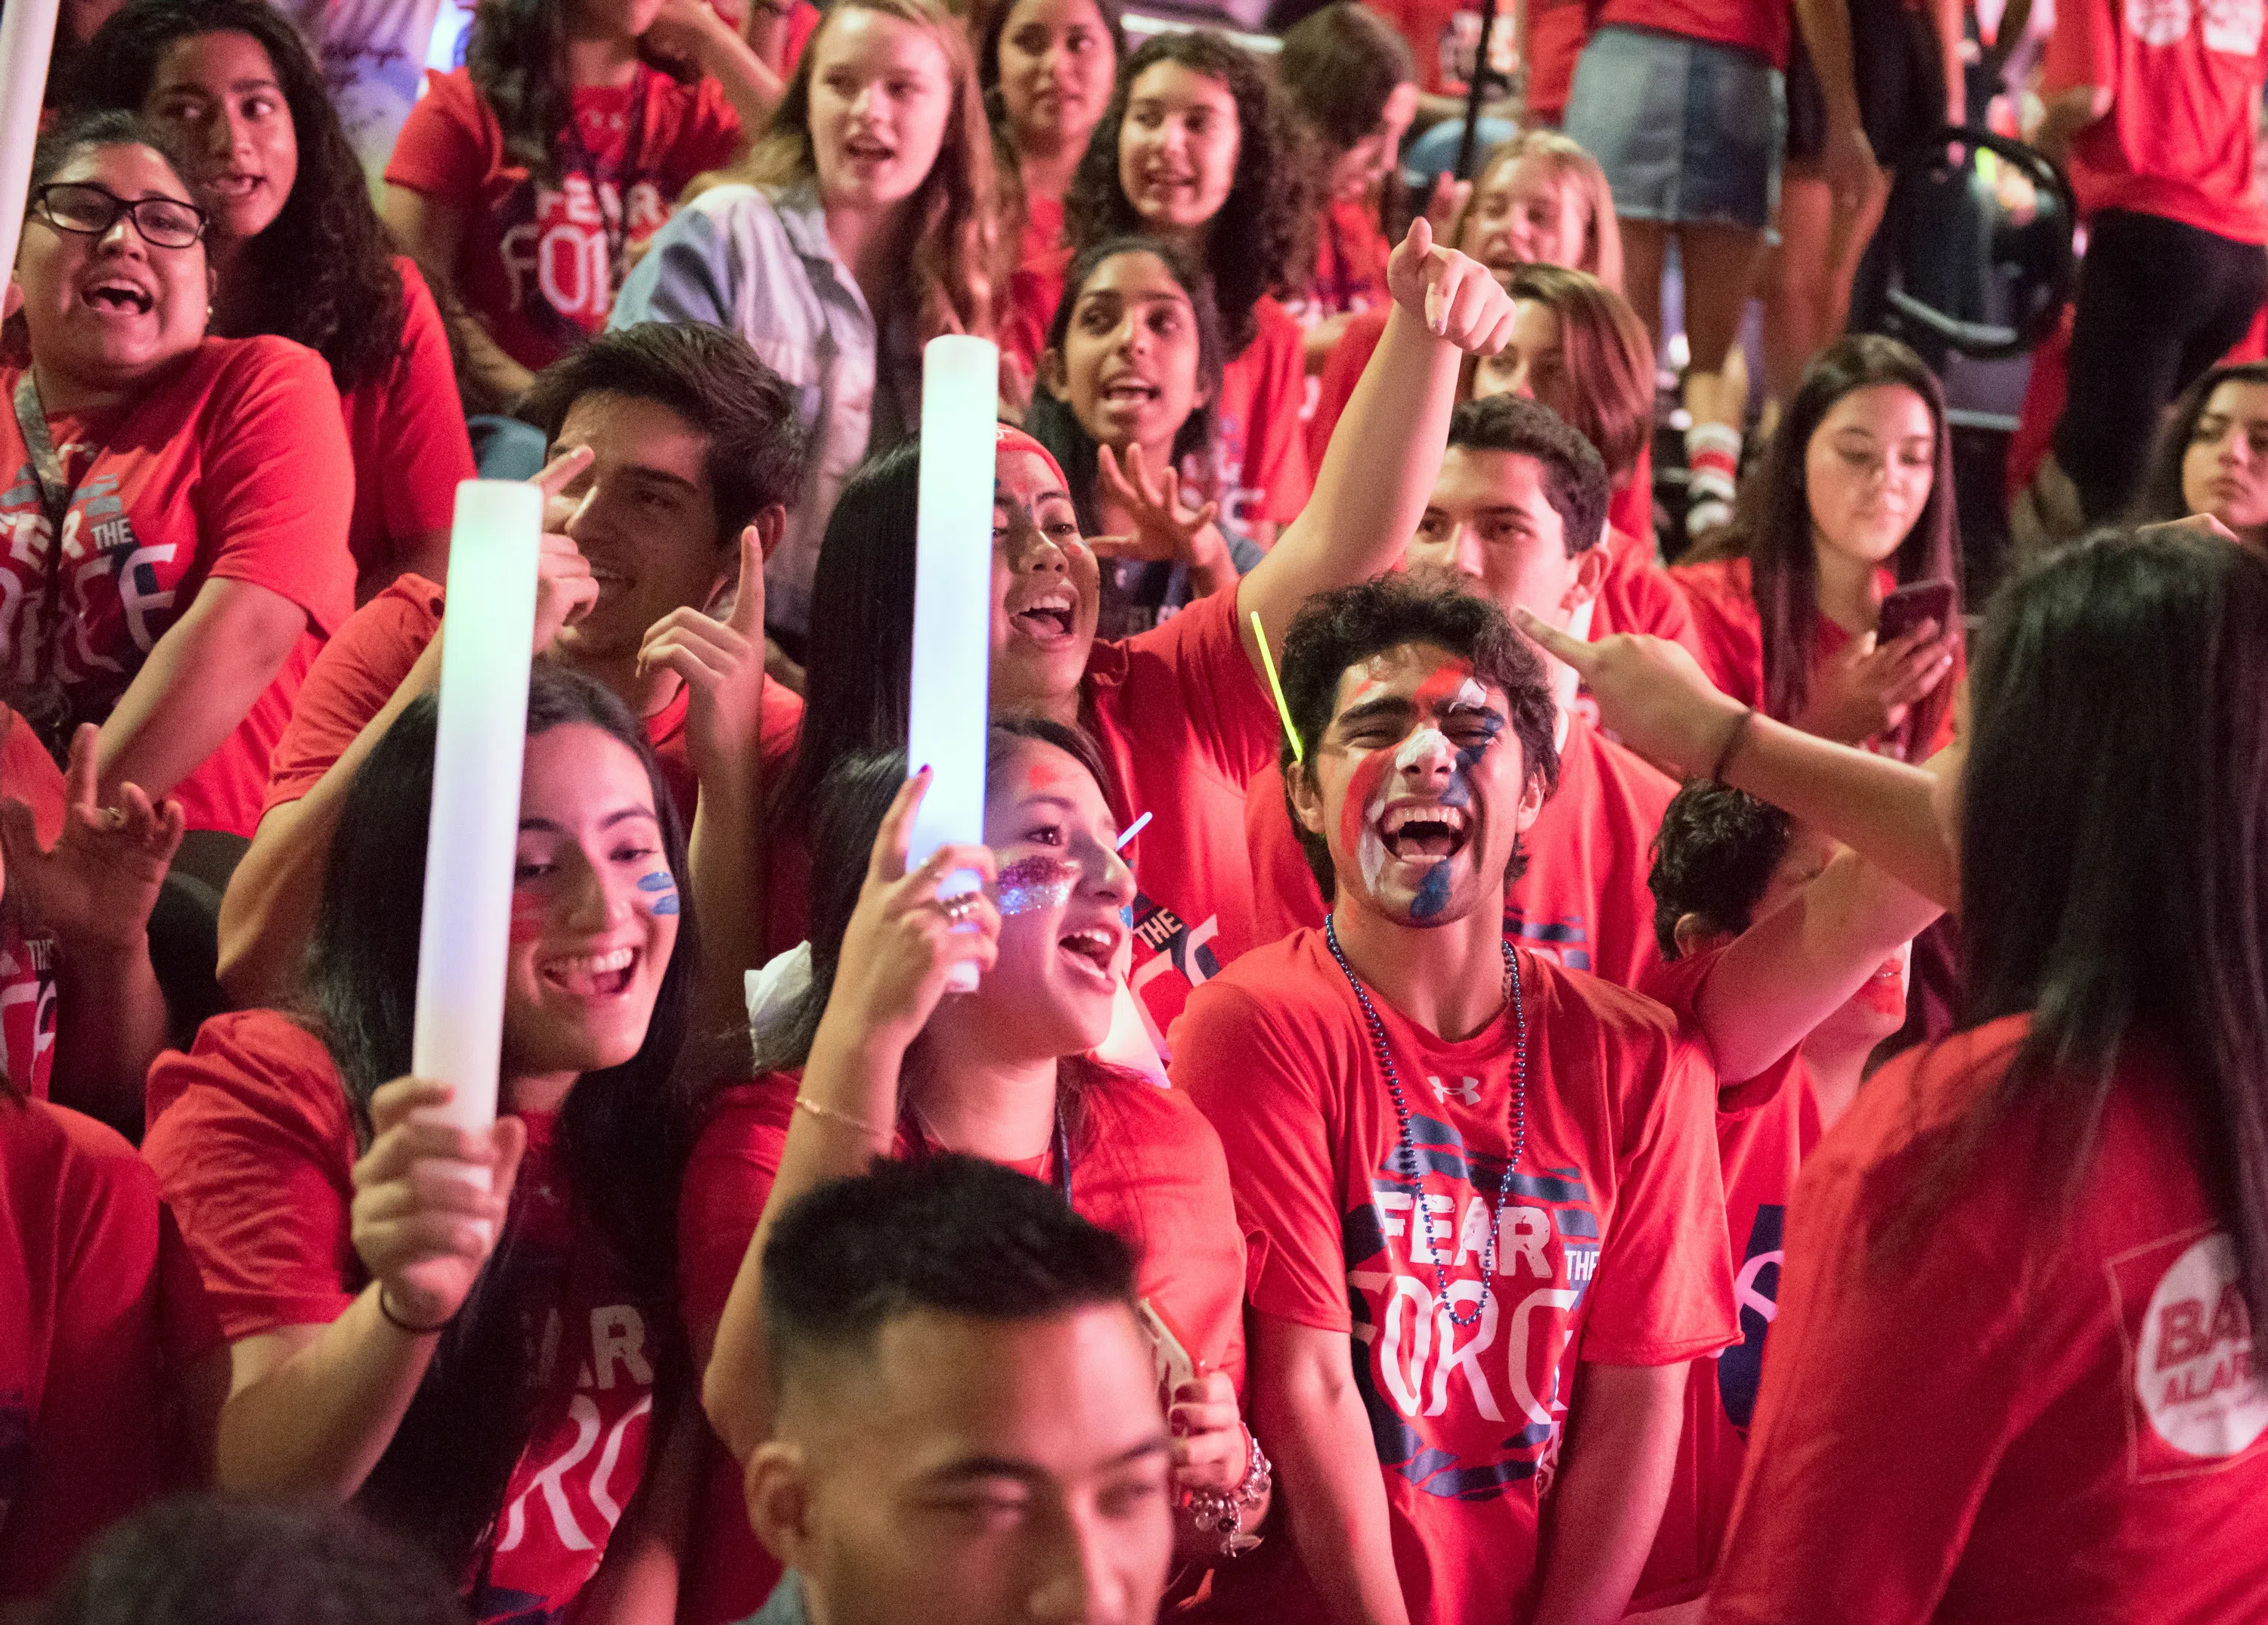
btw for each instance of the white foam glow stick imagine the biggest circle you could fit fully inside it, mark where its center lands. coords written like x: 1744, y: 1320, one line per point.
x: 27, y: 33
x: 475, y: 830
x: 953, y: 607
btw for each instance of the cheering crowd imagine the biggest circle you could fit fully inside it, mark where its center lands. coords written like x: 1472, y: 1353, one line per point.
x: 1506, y: 1080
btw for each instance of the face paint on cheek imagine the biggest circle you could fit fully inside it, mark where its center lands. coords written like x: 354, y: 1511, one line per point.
x: 1036, y: 882
x: 662, y: 891
x: 1366, y: 801
x: 1432, y: 893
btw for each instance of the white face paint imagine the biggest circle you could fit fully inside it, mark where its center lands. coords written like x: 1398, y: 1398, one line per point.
x: 1469, y: 697
x: 1413, y: 752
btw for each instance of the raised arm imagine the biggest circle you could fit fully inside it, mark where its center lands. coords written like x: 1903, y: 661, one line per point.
x: 897, y: 954
x: 1793, y: 969
x: 1378, y: 469
x: 269, y: 907
x: 1657, y: 699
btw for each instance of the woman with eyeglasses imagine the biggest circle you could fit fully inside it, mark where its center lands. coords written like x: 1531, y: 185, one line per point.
x: 177, y: 504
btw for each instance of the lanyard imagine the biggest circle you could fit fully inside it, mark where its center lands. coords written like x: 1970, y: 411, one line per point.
x: 44, y: 707
x: 617, y: 224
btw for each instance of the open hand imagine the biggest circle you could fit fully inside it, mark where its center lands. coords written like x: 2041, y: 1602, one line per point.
x: 1166, y: 525
x: 95, y: 887
x: 422, y: 1228
x: 1456, y: 296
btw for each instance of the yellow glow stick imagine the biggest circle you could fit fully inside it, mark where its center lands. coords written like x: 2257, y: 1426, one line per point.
x: 1276, y: 687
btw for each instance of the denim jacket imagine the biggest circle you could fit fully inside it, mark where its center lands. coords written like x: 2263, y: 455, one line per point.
x: 758, y: 262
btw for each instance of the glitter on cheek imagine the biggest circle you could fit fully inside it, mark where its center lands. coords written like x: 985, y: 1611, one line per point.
x: 1036, y: 882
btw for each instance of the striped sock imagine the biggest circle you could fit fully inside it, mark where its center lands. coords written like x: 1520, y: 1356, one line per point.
x: 1712, y: 467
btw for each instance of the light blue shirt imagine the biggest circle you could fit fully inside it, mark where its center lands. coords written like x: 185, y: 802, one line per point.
x: 757, y: 260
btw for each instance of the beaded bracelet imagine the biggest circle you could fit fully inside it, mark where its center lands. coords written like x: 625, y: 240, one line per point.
x: 1217, y: 1512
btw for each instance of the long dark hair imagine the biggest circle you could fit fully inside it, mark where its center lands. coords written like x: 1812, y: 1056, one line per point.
x: 325, y: 266
x: 852, y: 802
x: 1052, y: 422
x: 857, y: 682
x: 622, y: 1132
x: 1256, y: 244
x: 1774, y: 531
x: 2163, y: 498
x: 1013, y: 202
x: 2114, y: 811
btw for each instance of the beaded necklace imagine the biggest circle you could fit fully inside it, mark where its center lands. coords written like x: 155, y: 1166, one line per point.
x: 1409, y: 1147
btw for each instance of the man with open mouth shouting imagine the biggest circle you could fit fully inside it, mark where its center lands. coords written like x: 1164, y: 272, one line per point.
x: 1480, y: 1190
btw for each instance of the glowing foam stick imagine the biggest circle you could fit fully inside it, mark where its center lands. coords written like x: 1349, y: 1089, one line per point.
x: 953, y: 603
x: 27, y: 33
x: 1276, y: 687
x: 475, y: 830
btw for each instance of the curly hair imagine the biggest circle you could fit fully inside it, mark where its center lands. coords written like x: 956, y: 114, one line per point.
x: 324, y: 267
x: 1713, y: 856
x: 1257, y: 244
x: 957, y: 270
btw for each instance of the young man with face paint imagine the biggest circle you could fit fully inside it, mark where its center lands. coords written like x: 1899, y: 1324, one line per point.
x: 1518, y: 513
x: 674, y: 451
x: 1480, y: 1191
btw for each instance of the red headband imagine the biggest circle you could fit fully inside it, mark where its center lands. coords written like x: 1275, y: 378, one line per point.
x: 1007, y: 438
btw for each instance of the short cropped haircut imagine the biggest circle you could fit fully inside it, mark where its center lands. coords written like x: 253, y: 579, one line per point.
x: 1713, y: 856
x: 712, y: 380
x: 1574, y: 476
x: 229, y: 1560
x: 1338, y: 630
x: 955, y: 1235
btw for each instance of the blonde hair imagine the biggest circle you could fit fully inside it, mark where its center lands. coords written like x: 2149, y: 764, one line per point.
x: 1571, y: 166
x: 957, y: 210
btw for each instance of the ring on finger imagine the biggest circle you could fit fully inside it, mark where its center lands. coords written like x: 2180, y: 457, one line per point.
x: 959, y: 909
x: 114, y: 817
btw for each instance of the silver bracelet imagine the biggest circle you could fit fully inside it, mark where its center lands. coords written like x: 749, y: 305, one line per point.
x: 1221, y: 1513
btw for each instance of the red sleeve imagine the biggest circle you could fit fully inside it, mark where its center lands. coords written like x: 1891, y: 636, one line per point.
x: 1640, y: 595
x: 350, y: 684
x: 95, y: 1449
x: 444, y: 148
x: 1275, y: 451
x: 1725, y: 618
x: 727, y: 1180
x: 412, y: 447
x: 1259, y: 1081
x: 277, y: 480
x: 1953, y: 1318
x: 30, y: 774
x: 1676, y: 984
x: 1190, y: 679
x: 1664, y: 1288
x: 250, y: 1137
x: 1335, y: 387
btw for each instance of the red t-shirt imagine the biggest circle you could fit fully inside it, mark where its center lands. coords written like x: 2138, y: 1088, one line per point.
x: 535, y: 265
x: 1184, y: 723
x: 254, y: 1147
x: 1766, y: 1126
x: 1630, y: 510
x: 2186, y: 90
x: 362, y: 666
x: 1584, y: 900
x: 235, y: 466
x: 1260, y: 452
x: 27, y: 963
x: 1036, y: 288
x: 1760, y: 27
x: 1351, y: 255
x: 408, y: 431
x: 1612, y: 1247
x: 1723, y: 609
x: 1144, y: 1164
x: 2079, y: 1442
x: 1639, y: 595
x: 102, y: 1312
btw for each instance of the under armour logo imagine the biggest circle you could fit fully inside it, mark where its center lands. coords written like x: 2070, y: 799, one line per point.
x: 1468, y: 1089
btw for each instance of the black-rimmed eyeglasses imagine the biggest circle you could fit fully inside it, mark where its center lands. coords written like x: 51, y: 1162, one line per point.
x: 90, y: 210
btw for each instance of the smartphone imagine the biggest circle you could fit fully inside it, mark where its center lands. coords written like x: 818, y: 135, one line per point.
x: 1912, y: 604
